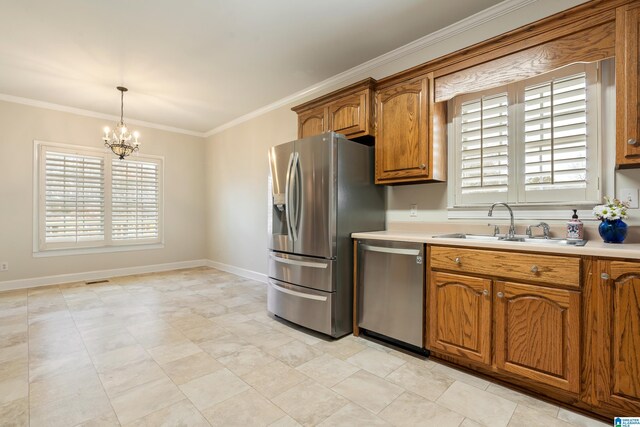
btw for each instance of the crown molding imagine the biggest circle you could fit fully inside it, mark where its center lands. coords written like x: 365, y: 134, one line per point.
x: 358, y: 71
x: 94, y: 114
x: 436, y: 37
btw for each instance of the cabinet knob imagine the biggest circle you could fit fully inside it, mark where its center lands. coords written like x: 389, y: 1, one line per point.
x: 534, y: 269
x: 485, y: 292
x: 458, y: 261
x: 500, y: 295
x: 423, y: 166
x: 604, y: 276
x: 631, y: 141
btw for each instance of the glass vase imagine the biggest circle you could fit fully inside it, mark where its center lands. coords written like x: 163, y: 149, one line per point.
x: 613, y: 230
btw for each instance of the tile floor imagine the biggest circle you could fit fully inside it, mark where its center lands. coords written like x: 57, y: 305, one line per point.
x: 197, y: 348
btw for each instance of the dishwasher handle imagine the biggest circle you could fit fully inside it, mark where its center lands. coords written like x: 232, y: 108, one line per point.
x: 395, y: 251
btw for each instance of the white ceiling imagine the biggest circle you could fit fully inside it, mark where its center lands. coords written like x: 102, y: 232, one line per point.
x: 197, y: 64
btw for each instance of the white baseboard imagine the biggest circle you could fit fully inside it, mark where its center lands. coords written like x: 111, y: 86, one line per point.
x: 242, y: 272
x: 100, y: 274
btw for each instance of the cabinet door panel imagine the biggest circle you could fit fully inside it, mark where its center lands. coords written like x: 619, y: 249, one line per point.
x: 537, y: 333
x: 627, y: 88
x: 350, y: 115
x: 460, y: 316
x: 625, y: 340
x: 619, y: 342
x: 402, y: 139
x: 312, y: 123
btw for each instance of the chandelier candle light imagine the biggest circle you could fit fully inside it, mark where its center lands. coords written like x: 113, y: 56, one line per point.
x: 120, y: 140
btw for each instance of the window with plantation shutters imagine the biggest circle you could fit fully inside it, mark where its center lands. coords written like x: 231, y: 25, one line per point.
x: 533, y: 141
x: 484, y: 134
x: 555, y: 121
x: 135, y: 203
x: 86, y: 198
x: 73, y: 198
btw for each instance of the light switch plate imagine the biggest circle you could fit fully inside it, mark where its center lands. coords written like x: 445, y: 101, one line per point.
x: 413, y: 212
x: 629, y: 195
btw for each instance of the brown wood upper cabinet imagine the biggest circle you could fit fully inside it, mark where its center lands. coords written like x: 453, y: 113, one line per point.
x: 348, y: 111
x: 410, y: 146
x: 617, y: 290
x: 313, y: 122
x: 351, y: 115
x: 627, y: 88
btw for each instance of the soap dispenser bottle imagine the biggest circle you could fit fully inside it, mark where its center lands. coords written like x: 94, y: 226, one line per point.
x: 575, y: 228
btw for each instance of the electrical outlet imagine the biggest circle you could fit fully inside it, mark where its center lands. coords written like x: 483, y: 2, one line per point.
x: 4, y: 266
x: 413, y: 212
x: 629, y: 195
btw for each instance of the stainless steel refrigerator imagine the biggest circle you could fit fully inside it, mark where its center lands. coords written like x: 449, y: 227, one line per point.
x: 322, y: 191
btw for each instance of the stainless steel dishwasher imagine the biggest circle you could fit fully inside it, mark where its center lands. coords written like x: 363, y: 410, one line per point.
x: 390, y: 296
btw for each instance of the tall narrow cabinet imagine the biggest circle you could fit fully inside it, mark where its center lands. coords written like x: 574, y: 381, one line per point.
x: 617, y: 290
x: 627, y: 87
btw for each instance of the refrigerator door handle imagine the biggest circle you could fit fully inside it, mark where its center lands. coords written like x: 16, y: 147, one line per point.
x: 296, y: 293
x: 396, y: 251
x: 295, y: 189
x: 287, y: 194
x: 299, y: 263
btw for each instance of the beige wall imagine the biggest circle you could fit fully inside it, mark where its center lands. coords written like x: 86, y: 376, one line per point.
x: 236, y: 176
x: 236, y: 158
x: 184, y: 208
x: 215, y: 188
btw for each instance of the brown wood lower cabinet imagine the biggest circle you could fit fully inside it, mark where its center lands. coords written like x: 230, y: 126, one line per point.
x: 529, y: 331
x: 617, y: 291
x: 538, y: 333
x: 536, y: 330
x: 460, y: 321
x: 573, y: 337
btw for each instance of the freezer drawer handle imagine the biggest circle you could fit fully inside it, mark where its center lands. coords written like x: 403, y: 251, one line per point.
x: 391, y: 250
x: 299, y: 263
x: 297, y: 294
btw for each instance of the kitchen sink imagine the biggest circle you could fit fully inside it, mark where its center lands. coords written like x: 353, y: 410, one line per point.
x: 520, y: 239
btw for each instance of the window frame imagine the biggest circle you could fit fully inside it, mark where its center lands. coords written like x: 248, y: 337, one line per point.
x: 515, y: 195
x: 42, y: 248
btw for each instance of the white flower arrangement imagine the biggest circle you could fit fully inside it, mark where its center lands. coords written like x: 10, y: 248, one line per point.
x: 612, y: 209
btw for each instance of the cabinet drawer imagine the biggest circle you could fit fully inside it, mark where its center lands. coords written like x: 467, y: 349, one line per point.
x: 548, y: 269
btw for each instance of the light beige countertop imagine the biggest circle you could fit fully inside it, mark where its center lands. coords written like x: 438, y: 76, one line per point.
x: 594, y: 247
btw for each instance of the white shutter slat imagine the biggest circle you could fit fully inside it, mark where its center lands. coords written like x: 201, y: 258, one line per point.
x: 73, y: 197
x: 135, y: 209
x: 484, y: 144
x: 556, y: 134
x: 557, y: 155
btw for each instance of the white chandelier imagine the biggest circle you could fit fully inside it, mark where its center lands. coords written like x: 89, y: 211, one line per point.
x: 120, y: 140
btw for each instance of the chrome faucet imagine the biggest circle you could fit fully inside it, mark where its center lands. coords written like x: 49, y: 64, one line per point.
x: 512, y: 228
x: 545, y: 229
